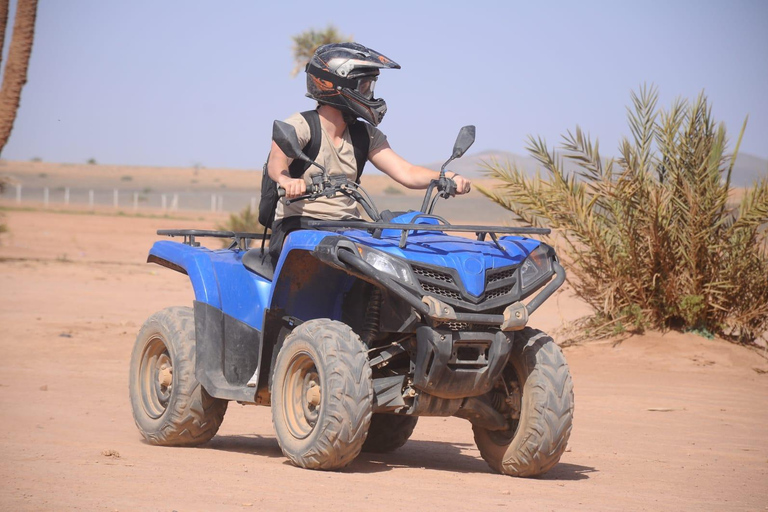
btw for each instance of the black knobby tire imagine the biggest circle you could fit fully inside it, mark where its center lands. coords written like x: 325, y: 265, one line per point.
x: 322, y: 395
x: 536, y: 441
x: 169, y: 405
x: 389, y: 432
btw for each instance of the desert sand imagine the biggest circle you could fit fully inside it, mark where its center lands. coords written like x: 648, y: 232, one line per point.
x: 663, y: 421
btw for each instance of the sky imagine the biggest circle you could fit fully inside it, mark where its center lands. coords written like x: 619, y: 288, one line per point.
x: 180, y: 83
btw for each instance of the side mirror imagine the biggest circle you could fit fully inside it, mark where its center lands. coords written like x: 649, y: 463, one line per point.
x: 463, y: 142
x: 285, y: 137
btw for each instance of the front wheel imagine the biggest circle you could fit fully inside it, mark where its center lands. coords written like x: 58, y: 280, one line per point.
x: 322, y: 395
x: 169, y: 405
x: 540, y: 423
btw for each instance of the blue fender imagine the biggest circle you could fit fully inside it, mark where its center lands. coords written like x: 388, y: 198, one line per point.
x: 218, y: 278
x: 309, y: 288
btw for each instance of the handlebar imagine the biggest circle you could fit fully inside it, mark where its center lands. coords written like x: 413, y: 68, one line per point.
x: 311, y: 190
x: 329, y: 186
x: 320, y: 187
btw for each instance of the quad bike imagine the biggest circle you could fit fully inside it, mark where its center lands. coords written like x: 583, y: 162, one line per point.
x: 359, y: 329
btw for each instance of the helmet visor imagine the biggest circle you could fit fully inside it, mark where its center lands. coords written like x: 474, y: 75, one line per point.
x: 365, y: 87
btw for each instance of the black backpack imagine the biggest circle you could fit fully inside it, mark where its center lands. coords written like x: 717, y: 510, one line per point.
x: 360, y: 142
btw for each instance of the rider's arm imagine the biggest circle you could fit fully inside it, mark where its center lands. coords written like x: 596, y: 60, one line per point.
x: 409, y: 175
x: 277, y: 167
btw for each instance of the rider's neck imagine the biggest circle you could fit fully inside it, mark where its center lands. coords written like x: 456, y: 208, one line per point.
x: 332, y: 121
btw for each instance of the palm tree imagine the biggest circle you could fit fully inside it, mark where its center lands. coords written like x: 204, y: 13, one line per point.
x: 305, y: 44
x: 3, y: 23
x: 15, y: 75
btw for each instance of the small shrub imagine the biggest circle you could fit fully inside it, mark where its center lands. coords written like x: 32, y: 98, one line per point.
x: 651, y: 238
x: 42, y: 175
x: 36, y: 159
x: 91, y: 161
x: 392, y: 190
x: 126, y: 178
x: 246, y: 221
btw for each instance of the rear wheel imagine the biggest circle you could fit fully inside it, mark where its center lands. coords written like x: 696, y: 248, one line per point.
x: 538, y: 437
x: 389, y: 432
x: 170, y: 407
x: 322, y: 395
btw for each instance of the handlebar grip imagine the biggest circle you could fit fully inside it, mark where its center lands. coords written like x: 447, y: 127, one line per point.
x: 280, y: 192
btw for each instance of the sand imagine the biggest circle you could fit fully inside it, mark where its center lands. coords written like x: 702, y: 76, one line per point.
x: 663, y: 421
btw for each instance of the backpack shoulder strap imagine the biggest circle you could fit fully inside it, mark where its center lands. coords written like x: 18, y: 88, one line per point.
x: 312, y: 148
x: 361, y: 142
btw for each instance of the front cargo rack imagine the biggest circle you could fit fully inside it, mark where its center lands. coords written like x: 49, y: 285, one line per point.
x: 377, y: 227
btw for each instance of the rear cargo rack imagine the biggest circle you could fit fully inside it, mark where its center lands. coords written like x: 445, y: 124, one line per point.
x: 240, y: 240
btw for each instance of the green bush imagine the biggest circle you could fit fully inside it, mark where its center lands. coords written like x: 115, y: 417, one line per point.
x: 651, y: 238
x: 392, y: 190
x: 246, y: 221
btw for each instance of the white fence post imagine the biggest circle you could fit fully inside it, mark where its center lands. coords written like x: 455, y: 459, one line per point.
x: 175, y: 202
x: 221, y: 203
x: 115, y: 198
x: 18, y: 193
x: 164, y: 201
x: 46, y: 195
x: 213, y: 202
x: 253, y: 204
x: 135, y: 201
x: 90, y: 199
x: 66, y: 195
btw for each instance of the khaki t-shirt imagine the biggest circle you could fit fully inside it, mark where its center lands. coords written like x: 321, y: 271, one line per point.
x: 339, y: 160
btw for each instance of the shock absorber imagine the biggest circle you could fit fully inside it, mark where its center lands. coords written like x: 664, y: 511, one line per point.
x: 372, y: 316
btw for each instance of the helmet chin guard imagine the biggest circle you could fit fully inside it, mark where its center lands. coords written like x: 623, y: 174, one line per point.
x: 343, y: 75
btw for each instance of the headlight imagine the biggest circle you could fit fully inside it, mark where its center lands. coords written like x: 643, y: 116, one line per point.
x: 536, y: 266
x: 386, y: 263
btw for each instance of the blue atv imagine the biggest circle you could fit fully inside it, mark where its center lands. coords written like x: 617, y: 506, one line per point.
x: 360, y: 328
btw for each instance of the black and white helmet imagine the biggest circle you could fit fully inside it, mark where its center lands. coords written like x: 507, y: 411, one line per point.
x: 343, y: 75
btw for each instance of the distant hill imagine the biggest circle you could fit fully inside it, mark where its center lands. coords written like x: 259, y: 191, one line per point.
x: 747, y: 170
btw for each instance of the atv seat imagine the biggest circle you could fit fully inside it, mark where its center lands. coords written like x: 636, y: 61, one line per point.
x: 259, y: 262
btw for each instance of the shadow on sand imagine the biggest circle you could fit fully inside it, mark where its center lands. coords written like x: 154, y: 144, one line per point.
x: 433, y: 455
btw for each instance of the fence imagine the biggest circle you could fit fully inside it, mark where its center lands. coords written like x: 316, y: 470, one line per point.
x: 133, y: 200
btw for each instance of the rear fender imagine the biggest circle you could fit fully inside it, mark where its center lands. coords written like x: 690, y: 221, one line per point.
x: 218, y: 279
x: 229, y: 315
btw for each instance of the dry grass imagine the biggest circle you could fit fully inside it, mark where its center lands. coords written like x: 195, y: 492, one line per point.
x: 651, y: 237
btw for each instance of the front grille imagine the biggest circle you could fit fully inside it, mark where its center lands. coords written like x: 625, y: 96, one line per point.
x: 439, y: 290
x: 444, y: 285
x: 498, y: 292
x: 457, y: 326
x: 433, y: 274
x: 467, y: 326
x: 501, y: 275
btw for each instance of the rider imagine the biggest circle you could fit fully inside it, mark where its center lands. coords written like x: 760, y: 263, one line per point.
x: 341, y: 78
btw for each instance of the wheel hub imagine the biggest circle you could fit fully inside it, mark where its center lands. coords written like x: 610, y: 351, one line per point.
x: 156, y: 378
x: 303, y: 396
x: 165, y: 375
x: 313, y: 394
